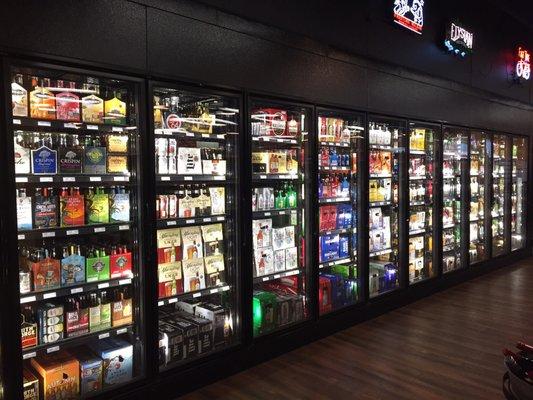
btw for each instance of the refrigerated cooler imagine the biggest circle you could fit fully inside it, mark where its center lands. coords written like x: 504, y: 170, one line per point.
x: 519, y: 192
x: 280, y: 174
x: 501, y: 170
x: 479, y: 179
x: 385, y: 146
x: 421, y: 176
x: 340, y: 138
x: 75, y: 144
x: 454, y: 175
x: 196, y: 137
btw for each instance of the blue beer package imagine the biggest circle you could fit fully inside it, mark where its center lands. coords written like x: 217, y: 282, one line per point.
x: 44, y: 160
x: 119, y: 207
x: 72, y: 270
x: 91, y: 371
x: 117, y: 356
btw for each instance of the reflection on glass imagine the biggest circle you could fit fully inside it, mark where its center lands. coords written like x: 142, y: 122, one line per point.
x: 500, y: 169
x: 421, y: 161
x: 383, y: 163
x: 339, y: 137
x: 279, y: 151
x: 477, y: 171
x: 195, y: 137
x: 454, y: 145
x: 519, y: 193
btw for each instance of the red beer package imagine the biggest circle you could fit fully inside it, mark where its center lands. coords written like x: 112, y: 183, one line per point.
x: 273, y: 122
x: 120, y: 262
x: 46, y: 271
x: 327, y: 218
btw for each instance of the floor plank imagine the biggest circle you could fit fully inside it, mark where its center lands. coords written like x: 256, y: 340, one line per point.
x: 446, y: 346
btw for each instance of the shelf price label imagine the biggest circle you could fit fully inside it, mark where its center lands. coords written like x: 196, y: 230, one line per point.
x: 29, y: 355
x: 52, y: 349
x: 103, y: 335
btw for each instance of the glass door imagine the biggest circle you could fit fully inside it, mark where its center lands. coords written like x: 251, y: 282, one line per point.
x: 454, y: 169
x: 385, y: 141
x: 76, y: 152
x: 421, y: 204
x: 340, y: 137
x: 280, y: 162
x: 501, y: 164
x: 196, y: 137
x: 479, y: 178
x: 519, y: 192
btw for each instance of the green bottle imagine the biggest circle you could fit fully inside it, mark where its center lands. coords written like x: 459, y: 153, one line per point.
x: 291, y: 197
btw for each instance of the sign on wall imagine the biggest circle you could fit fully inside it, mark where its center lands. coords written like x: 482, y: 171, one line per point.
x: 523, y: 64
x: 459, y: 40
x: 409, y: 14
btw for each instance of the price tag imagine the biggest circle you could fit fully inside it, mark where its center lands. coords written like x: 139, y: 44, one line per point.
x: 52, y: 349
x: 189, y: 134
x: 28, y: 299
x: 165, y: 178
x: 117, y: 129
x: 266, y: 139
x: 16, y: 122
x: 103, y: 285
x: 197, y: 295
x: 46, y: 179
x: 170, y: 223
x: 268, y: 214
x: 213, y: 291
x: 49, y: 295
x: 171, y: 301
x: 277, y: 276
x: 124, y: 282
x: 21, y: 237
x: 207, y: 219
x: 21, y: 179
x: 103, y: 336
x: 100, y: 229
x: 119, y: 178
x: 69, y: 125
x: 190, y: 221
x: 225, y: 288
x: 160, y: 303
x: 73, y: 232
x: 92, y: 127
x: 44, y: 123
x: 266, y: 278
x: 123, y: 227
x: 95, y: 179
x: 205, y: 135
x: 187, y: 178
x: 48, y: 234
x: 262, y: 176
x: 220, y: 218
x: 76, y: 290
x: 69, y: 179
x: 221, y: 136
x: 121, y: 331
x: 29, y: 355
x: 219, y: 178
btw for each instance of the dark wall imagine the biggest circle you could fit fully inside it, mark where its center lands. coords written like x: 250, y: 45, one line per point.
x: 345, y: 53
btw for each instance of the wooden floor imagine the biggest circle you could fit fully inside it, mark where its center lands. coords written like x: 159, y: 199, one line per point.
x: 446, y: 346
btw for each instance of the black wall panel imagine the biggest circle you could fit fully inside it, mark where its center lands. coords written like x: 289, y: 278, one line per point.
x: 111, y: 32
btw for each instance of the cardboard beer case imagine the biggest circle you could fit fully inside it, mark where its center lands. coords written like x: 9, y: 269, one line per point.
x: 117, y: 356
x: 58, y: 375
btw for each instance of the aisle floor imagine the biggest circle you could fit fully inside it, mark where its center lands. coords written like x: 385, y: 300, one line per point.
x: 446, y: 346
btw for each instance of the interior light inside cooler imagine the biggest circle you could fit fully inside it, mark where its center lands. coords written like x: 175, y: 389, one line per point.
x: 228, y: 109
x: 72, y: 90
x: 257, y: 313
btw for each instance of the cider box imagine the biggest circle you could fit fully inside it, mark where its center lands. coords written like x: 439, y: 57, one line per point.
x: 120, y: 265
x: 58, y: 375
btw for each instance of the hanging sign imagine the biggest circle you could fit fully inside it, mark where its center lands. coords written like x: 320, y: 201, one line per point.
x: 523, y: 64
x: 409, y: 14
x: 459, y: 40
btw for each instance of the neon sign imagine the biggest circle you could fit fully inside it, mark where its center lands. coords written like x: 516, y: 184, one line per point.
x: 459, y: 40
x: 409, y: 16
x: 523, y: 64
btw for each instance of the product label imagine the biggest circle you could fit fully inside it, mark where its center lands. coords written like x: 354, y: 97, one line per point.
x: 95, y: 160
x: 29, y: 334
x: 24, y: 213
x: 116, y: 110
x: 44, y: 160
x: 92, y: 109
x: 45, y: 213
x: 19, y: 100
x: 97, y: 269
x: 70, y: 160
x: 72, y: 270
x: 117, y: 164
x: 72, y: 209
x: 97, y: 208
x: 22, y: 159
x: 67, y: 107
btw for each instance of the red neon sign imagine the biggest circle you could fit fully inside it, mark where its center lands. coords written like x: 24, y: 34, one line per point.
x: 523, y: 64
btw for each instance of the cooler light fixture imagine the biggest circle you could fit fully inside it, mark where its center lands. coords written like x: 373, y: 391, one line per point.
x: 523, y: 64
x: 409, y: 14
